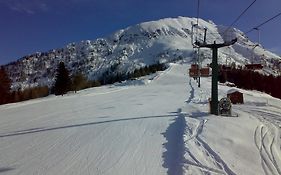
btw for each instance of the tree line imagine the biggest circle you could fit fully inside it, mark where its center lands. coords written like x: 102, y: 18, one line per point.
x: 110, y: 76
x: 8, y: 96
x: 251, y: 80
x: 65, y: 83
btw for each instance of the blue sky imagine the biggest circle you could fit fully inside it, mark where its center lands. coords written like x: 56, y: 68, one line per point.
x: 28, y: 26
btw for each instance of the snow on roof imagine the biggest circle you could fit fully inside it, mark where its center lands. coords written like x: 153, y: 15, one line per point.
x: 230, y: 91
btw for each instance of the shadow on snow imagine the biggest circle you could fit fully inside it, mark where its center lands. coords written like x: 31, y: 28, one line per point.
x: 175, y: 147
x: 5, y: 169
x: 191, y: 92
x: 38, y: 130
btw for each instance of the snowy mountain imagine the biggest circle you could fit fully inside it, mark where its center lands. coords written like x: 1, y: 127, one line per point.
x: 147, y: 43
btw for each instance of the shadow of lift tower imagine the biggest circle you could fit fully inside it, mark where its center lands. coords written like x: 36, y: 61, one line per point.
x: 215, y: 72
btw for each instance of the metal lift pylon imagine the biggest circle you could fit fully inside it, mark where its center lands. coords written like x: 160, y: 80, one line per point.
x: 214, y: 47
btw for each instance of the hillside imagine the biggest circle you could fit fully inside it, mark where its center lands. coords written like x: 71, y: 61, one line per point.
x: 147, y: 43
x: 160, y: 126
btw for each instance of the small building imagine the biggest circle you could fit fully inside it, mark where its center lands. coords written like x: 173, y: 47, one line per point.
x: 235, y: 96
x: 253, y: 66
x: 205, y: 72
x: 194, y: 71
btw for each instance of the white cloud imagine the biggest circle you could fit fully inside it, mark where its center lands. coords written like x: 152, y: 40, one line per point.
x: 26, y: 6
x: 276, y: 50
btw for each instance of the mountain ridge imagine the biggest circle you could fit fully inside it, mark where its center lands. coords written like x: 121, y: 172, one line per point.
x: 147, y: 43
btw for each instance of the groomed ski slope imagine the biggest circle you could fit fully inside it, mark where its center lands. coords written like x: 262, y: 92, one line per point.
x: 160, y: 126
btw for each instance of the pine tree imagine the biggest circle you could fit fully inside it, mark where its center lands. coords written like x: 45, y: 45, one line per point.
x: 63, y: 81
x: 5, y: 87
x: 79, y: 82
x: 222, y: 76
x: 95, y: 83
x: 16, y: 96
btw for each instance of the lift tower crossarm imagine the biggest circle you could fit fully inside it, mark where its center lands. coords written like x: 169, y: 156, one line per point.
x: 211, y: 46
x: 215, y: 72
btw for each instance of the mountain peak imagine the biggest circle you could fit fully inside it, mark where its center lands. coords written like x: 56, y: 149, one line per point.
x: 164, y: 40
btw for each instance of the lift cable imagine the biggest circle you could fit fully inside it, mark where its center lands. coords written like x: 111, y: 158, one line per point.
x: 239, y: 16
x: 258, y: 26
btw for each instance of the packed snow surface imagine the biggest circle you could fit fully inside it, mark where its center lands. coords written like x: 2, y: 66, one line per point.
x: 153, y: 126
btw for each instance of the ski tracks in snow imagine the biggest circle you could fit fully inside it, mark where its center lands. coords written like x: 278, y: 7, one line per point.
x: 267, y: 138
x: 266, y: 144
x: 199, y: 157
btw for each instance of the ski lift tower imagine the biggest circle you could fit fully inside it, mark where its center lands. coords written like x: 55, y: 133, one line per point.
x: 259, y: 34
x: 198, y: 56
x: 214, y: 47
x: 254, y: 46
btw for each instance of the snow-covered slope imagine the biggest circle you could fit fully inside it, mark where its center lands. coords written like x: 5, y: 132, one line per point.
x: 159, y: 127
x: 147, y: 43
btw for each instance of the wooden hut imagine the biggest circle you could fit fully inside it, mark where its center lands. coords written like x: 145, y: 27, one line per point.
x: 235, y: 96
x: 205, y: 72
x: 194, y: 71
